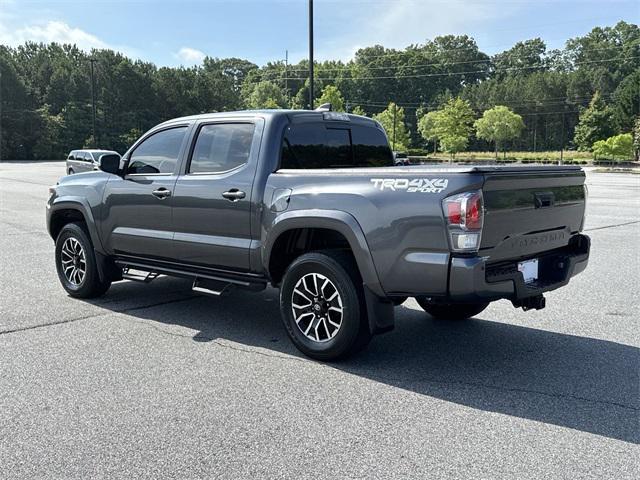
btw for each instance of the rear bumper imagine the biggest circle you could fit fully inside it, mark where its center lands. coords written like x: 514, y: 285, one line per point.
x: 474, y: 279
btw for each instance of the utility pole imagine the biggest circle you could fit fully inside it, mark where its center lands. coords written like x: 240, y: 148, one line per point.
x: 346, y: 106
x: 93, y: 102
x: 286, y: 76
x: 311, y: 54
x: 562, y: 146
x: 395, y: 108
x: 535, y: 128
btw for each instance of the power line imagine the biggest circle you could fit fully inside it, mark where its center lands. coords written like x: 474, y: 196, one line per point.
x: 449, y: 74
x: 443, y: 63
x: 548, y: 101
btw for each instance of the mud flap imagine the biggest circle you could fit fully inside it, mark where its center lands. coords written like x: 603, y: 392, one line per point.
x: 107, y: 269
x: 380, y: 312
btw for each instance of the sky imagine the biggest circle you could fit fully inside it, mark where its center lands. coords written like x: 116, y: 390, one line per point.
x: 182, y: 32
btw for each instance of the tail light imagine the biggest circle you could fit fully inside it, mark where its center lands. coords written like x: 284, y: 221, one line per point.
x: 464, y: 213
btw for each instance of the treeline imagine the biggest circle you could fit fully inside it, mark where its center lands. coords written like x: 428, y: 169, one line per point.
x: 569, y: 98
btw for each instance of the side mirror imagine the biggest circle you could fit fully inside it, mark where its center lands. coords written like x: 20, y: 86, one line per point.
x: 109, y: 163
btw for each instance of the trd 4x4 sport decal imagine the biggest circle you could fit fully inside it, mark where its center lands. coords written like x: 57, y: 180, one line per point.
x: 416, y: 185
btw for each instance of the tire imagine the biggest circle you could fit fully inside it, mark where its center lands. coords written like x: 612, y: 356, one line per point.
x: 451, y: 311
x: 334, y: 272
x: 74, y: 248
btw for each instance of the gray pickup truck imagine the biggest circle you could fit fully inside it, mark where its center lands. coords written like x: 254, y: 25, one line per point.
x: 310, y: 202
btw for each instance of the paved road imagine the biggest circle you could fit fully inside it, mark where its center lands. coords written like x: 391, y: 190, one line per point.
x: 153, y: 381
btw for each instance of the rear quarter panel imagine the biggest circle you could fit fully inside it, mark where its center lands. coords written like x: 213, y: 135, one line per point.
x: 404, y: 228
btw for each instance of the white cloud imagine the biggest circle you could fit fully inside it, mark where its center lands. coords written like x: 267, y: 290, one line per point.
x: 400, y: 23
x: 52, y: 31
x: 190, y: 55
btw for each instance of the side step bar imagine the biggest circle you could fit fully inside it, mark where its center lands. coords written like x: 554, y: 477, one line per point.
x: 210, y: 287
x: 203, y: 282
x: 138, y: 275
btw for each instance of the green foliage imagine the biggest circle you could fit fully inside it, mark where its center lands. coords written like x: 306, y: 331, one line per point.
x: 499, y: 124
x: 596, y: 123
x: 427, y: 128
x: 51, y: 128
x: 358, y: 110
x: 129, y: 138
x: 266, y: 95
x: 616, y: 148
x: 330, y: 94
x: 398, y: 136
x: 47, y: 89
x: 523, y: 55
x: 626, y: 101
x: 451, y: 125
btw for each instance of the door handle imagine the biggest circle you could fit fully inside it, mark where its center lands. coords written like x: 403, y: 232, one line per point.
x: 234, y: 195
x: 161, y: 193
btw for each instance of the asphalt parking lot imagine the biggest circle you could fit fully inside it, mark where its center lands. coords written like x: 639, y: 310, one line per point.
x: 152, y: 380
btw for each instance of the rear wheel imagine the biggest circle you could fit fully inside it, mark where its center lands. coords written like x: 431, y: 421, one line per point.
x: 322, y: 305
x: 76, y: 263
x: 451, y: 311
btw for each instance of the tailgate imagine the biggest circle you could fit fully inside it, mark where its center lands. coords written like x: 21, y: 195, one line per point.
x: 531, y: 210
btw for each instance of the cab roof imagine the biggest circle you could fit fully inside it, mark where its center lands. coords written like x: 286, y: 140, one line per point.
x: 291, y: 114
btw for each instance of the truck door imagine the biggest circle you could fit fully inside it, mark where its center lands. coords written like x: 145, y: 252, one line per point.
x: 137, y: 208
x: 212, y: 201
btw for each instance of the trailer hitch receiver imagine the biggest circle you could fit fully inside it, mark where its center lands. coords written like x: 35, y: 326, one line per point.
x: 531, y: 303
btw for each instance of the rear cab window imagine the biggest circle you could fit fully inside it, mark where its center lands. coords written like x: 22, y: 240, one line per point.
x: 221, y: 147
x: 326, y: 144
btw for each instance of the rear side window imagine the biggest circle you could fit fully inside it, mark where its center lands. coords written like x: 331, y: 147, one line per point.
x: 314, y: 145
x: 371, y: 148
x: 221, y: 147
x: 157, y: 153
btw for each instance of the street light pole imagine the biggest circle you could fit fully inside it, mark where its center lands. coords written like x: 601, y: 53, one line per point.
x: 311, y: 54
x: 93, y: 102
x: 395, y: 108
x: 286, y: 77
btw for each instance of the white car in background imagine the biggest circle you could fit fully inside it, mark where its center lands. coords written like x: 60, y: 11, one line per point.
x: 85, y: 160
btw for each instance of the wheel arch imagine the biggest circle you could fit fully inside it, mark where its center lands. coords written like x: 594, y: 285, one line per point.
x: 340, y: 225
x: 67, y: 211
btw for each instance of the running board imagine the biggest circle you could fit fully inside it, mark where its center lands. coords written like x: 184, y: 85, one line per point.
x: 210, y: 287
x: 138, y: 275
x: 203, y: 282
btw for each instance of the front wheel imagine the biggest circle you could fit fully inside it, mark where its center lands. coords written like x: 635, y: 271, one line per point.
x: 322, y: 305
x: 76, y: 263
x: 451, y: 311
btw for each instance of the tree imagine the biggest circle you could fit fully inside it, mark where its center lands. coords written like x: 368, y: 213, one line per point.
x: 498, y: 125
x: 596, y: 123
x: 523, y: 57
x: 451, y: 126
x: 128, y: 139
x: 626, y: 101
x: 330, y: 94
x: 615, y: 148
x: 397, y: 133
x: 266, y: 94
x: 358, y: 110
x: 427, y: 126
